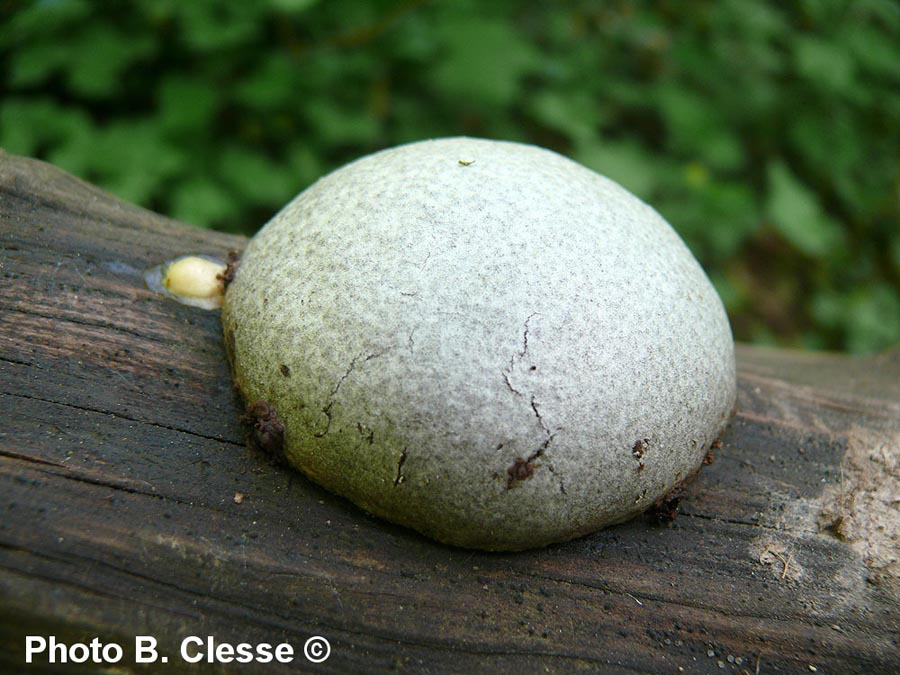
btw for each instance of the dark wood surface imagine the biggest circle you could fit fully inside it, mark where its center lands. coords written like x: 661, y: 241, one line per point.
x: 121, y: 453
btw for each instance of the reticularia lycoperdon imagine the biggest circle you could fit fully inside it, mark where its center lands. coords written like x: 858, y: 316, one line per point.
x: 484, y: 341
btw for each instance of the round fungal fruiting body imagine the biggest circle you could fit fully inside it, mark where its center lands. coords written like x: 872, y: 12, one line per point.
x: 501, y: 353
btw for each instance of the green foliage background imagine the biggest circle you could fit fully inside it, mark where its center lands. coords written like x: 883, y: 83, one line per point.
x: 767, y: 133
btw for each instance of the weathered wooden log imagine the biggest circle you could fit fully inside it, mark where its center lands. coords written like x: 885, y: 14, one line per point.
x: 131, y: 505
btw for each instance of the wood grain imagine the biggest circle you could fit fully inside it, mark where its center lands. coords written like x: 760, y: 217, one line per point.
x: 121, y: 453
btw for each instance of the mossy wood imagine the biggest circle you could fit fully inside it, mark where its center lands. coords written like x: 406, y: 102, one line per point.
x: 122, y: 459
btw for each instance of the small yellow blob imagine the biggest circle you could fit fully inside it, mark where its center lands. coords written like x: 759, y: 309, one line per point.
x: 192, y: 280
x: 696, y: 174
x: 194, y: 277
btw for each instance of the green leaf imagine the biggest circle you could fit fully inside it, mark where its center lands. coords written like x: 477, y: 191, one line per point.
x: 257, y: 178
x: 75, y: 152
x: 874, y: 51
x: 824, y: 63
x: 697, y: 130
x: 275, y: 82
x: 293, y: 6
x: 132, y: 159
x: 484, y: 61
x: 36, y: 62
x: 895, y: 251
x: 202, y: 201
x: 187, y: 104
x: 625, y: 162
x: 241, y: 105
x: 305, y: 166
x: 209, y: 26
x: 797, y: 215
x: 573, y: 113
x: 42, y: 19
x: 100, y: 56
x: 869, y: 316
x: 29, y: 126
x: 715, y: 217
x: 729, y: 217
x: 733, y: 297
x: 336, y: 124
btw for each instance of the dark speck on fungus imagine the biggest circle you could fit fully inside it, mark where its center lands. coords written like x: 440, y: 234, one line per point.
x: 267, y: 431
x: 521, y: 469
x: 232, y: 261
x: 638, y: 450
x: 640, y: 445
x: 665, y: 509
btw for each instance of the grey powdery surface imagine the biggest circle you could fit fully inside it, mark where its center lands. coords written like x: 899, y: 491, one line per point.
x: 482, y: 340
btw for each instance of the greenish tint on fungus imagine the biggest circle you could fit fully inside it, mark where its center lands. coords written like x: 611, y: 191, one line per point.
x: 501, y: 354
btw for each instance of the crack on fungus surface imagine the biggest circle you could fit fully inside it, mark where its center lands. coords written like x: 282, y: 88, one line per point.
x: 522, y: 354
x: 560, y: 481
x: 518, y: 356
x: 523, y: 468
x: 509, y: 384
x: 330, y: 400
x: 537, y: 413
x: 367, y: 433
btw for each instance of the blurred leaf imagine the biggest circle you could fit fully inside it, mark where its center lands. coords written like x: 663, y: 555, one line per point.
x: 100, y: 56
x: 737, y: 121
x: 37, y: 62
x: 275, y: 82
x: 255, y: 177
x: 336, y: 124
x: 293, y: 6
x: 716, y: 218
x: 624, y: 162
x: 483, y: 62
x: 186, y: 104
x: 201, y: 201
x: 573, y: 113
x: 697, y: 130
x: 869, y: 316
x: 796, y: 214
x: 27, y: 125
x: 824, y: 63
x: 758, y: 20
x: 92, y: 59
x: 304, y: 165
x: 132, y: 159
x: 209, y: 26
x: 39, y: 19
x: 874, y: 51
x: 885, y: 11
x: 731, y: 294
